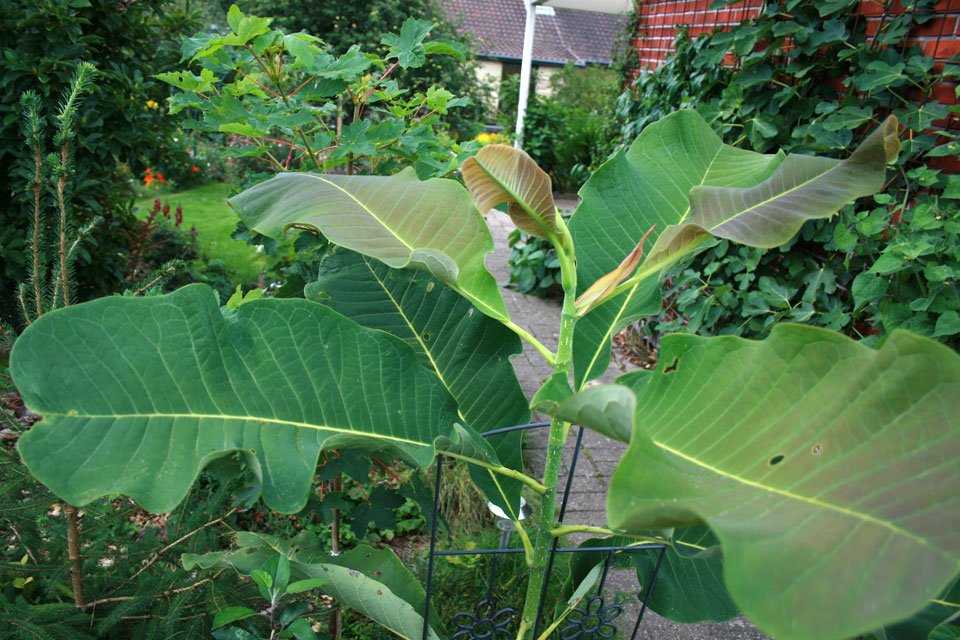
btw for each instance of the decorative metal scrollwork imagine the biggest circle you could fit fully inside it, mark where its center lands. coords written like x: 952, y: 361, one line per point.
x: 485, y: 623
x: 592, y: 621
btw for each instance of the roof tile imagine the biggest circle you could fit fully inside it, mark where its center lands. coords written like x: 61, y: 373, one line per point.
x: 568, y: 36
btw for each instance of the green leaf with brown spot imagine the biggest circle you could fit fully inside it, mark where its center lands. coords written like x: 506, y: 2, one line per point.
x: 826, y: 469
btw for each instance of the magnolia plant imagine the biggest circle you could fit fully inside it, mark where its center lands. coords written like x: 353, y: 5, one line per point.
x: 806, y: 480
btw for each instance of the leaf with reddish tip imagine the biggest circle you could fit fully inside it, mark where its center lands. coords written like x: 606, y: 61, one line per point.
x: 600, y: 290
x: 499, y: 174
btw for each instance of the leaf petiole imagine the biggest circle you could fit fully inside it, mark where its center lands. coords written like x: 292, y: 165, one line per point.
x: 516, y: 475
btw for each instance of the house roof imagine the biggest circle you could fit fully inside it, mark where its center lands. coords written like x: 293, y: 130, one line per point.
x: 567, y: 36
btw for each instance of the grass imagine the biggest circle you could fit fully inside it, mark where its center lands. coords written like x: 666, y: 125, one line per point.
x: 205, y: 208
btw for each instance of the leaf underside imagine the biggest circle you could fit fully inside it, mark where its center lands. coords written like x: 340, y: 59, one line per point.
x: 139, y: 394
x: 399, y: 220
x: 826, y: 469
x: 467, y: 350
x: 500, y: 173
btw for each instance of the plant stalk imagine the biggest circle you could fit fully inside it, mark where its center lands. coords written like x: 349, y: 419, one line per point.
x: 558, y: 433
x: 336, y: 618
x: 76, y: 563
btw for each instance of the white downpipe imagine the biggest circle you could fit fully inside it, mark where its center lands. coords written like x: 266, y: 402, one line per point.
x: 525, y: 69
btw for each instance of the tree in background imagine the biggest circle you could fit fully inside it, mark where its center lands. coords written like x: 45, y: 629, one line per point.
x: 343, y: 23
x: 122, y: 120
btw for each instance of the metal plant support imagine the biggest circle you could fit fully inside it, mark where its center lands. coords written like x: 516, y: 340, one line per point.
x: 488, y: 620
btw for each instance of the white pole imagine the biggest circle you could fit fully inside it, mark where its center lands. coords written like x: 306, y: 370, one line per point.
x: 525, y: 69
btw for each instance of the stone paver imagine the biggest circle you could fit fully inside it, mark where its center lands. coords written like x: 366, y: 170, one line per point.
x: 599, y: 455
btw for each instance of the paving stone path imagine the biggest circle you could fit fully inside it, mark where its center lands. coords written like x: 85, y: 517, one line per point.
x: 599, y: 455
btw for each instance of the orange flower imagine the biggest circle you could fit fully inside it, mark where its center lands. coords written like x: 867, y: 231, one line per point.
x: 195, y: 169
x: 160, y: 178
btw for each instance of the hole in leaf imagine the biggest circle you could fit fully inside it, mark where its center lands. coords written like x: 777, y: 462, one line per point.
x: 426, y: 337
x: 775, y: 460
x: 470, y: 312
x: 816, y: 448
x: 673, y: 366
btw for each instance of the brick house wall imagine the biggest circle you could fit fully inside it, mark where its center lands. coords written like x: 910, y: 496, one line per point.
x: 658, y: 21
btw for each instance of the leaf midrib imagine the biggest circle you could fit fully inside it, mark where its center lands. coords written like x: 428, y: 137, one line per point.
x: 777, y: 196
x: 219, y: 416
x: 865, y: 517
x: 423, y: 345
x: 364, y: 207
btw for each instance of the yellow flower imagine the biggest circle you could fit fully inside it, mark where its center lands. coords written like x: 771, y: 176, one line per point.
x: 152, y: 104
x: 483, y: 138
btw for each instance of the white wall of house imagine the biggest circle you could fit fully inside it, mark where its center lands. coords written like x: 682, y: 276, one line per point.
x: 544, y: 74
x: 489, y: 73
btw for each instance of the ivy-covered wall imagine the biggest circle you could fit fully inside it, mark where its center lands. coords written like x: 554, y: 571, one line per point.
x: 658, y: 22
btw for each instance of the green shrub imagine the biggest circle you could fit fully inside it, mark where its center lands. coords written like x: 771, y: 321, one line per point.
x: 344, y: 23
x: 41, y: 43
x: 570, y: 132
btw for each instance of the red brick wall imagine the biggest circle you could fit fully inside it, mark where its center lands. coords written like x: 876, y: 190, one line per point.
x: 658, y: 20
x: 940, y: 37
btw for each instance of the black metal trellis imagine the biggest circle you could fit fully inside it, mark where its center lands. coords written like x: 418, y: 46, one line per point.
x: 594, y: 619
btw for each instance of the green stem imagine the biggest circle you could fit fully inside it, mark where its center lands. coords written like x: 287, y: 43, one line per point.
x: 576, y: 528
x: 551, y: 472
x: 516, y: 475
x: 526, y: 335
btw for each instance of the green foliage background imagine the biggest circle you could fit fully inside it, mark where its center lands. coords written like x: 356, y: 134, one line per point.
x: 343, y: 23
x: 41, y: 43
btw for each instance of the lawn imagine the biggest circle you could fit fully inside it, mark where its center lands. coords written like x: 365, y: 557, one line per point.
x: 206, y: 209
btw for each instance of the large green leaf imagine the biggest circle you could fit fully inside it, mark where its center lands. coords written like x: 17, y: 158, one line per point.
x: 770, y: 213
x: 689, y: 585
x: 467, y: 350
x: 827, y: 470
x: 430, y: 225
x: 372, y: 583
x: 679, y: 176
x: 646, y: 186
x: 139, y: 394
